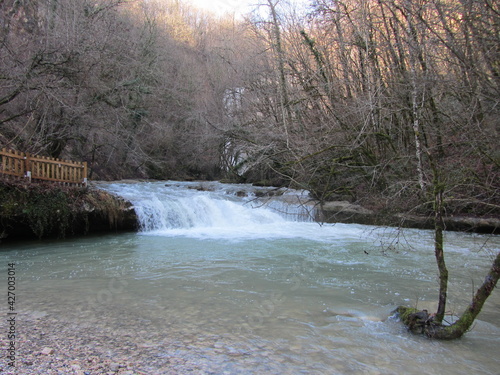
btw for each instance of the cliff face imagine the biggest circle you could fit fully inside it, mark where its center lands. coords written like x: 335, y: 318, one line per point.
x: 43, y: 210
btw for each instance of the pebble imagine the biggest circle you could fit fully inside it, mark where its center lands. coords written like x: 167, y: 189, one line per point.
x: 114, y: 367
x: 47, y: 351
x: 218, y: 345
x: 236, y: 352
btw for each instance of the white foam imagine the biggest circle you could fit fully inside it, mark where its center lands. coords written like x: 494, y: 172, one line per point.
x: 216, y: 210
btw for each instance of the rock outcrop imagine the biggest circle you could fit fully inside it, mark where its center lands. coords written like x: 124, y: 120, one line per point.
x: 43, y: 210
x: 346, y: 212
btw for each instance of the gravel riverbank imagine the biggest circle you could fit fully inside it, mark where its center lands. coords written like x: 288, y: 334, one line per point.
x: 47, y: 345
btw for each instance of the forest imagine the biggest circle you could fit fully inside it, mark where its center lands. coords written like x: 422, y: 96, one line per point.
x: 388, y: 103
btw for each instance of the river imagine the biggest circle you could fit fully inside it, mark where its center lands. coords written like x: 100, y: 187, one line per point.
x: 239, y: 280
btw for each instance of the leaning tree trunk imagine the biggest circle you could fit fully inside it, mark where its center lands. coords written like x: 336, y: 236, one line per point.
x: 463, y: 324
x: 421, y: 322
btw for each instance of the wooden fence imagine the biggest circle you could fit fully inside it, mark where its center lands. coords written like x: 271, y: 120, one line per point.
x: 34, y: 167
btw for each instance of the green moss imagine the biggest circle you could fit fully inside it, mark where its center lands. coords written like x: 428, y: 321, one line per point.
x: 9, y: 206
x: 53, y: 210
x: 435, y: 330
x: 44, y: 210
x: 48, y: 212
x: 405, y: 313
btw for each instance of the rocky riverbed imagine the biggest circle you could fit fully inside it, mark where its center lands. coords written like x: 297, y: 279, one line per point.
x: 49, y: 345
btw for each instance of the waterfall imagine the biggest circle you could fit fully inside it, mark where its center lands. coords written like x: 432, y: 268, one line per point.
x: 199, y: 210
x: 170, y: 206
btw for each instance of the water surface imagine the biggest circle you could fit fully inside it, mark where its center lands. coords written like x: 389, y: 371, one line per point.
x: 240, y: 285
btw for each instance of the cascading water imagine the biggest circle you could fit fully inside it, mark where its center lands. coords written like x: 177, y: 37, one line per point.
x: 211, y: 206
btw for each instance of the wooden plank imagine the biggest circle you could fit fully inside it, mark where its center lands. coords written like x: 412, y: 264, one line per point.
x: 49, y: 179
x: 12, y: 173
x: 52, y: 171
x: 6, y: 152
x: 69, y: 163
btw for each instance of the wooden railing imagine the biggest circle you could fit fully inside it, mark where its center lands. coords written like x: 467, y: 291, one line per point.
x: 34, y: 167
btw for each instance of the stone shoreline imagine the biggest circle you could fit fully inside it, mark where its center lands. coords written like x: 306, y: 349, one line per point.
x: 47, y: 345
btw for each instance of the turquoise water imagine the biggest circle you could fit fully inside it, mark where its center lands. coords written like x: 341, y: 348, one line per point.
x: 247, y: 292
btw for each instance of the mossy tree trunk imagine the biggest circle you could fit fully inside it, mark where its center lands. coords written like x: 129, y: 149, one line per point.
x: 463, y: 324
x: 438, y: 242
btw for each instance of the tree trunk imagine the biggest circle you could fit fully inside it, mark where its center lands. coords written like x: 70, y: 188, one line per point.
x: 422, y: 322
x: 278, y: 45
x: 463, y: 324
x: 438, y: 242
x: 415, y: 115
x: 431, y: 326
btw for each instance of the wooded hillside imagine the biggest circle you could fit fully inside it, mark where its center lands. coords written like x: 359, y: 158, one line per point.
x: 362, y: 100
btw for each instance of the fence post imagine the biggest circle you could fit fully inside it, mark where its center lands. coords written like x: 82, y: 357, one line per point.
x: 4, y: 159
x: 85, y: 173
x: 27, y: 166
